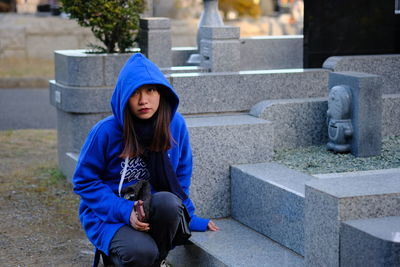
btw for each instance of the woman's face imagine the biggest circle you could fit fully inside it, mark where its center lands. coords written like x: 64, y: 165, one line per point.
x: 144, y: 101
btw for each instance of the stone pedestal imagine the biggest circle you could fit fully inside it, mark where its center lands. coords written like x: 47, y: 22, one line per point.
x: 220, y: 48
x: 209, y: 17
x: 155, y: 40
x: 366, y: 110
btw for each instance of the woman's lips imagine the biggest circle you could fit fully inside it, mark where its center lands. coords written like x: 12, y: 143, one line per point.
x: 144, y: 110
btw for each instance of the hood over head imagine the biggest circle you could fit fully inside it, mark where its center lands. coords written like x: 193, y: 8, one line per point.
x: 138, y: 71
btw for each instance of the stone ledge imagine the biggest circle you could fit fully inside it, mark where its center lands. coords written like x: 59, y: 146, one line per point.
x: 386, y: 66
x: 332, y: 201
x: 269, y: 198
x: 362, y: 185
x: 370, y: 242
x: 220, y: 91
x: 233, y: 245
x: 297, y: 122
x: 80, y: 99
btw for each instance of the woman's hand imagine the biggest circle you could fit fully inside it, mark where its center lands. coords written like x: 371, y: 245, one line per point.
x: 212, y: 227
x: 135, y: 223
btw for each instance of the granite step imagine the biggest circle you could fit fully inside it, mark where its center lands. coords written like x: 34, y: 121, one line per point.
x: 219, y: 141
x: 370, y: 242
x: 331, y: 201
x: 233, y: 245
x: 269, y: 198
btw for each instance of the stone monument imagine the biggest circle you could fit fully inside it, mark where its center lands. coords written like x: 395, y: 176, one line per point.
x: 209, y: 17
x: 355, y: 110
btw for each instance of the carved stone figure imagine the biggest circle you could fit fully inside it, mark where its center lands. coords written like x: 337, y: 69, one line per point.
x: 340, y: 129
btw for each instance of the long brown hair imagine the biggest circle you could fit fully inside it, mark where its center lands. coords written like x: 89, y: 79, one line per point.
x: 162, y: 136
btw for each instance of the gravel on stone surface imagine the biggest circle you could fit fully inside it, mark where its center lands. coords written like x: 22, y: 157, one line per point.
x: 317, y: 160
x: 39, y: 224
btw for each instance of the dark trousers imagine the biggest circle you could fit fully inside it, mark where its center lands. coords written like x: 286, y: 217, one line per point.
x: 130, y: 247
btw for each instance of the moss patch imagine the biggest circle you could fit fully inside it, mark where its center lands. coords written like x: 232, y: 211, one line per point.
x: 316, y: 159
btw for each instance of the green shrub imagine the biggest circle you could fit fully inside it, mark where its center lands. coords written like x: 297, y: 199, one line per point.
x: 114, y: 22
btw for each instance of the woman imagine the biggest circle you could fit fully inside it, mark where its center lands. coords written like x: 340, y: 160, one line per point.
x: 144, y: 139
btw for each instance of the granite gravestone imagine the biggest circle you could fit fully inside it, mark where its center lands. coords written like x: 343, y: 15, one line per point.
x: 343, y: 27
x: 209, y: 17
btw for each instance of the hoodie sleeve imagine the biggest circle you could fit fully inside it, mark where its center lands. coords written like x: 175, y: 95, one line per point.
x: 184, y: 173
x: 87, y: 182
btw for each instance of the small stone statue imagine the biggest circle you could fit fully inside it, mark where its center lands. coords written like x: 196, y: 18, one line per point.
x: 340, y: 128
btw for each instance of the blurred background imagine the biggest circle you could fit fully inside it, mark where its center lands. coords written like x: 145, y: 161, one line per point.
x: 30, y: 30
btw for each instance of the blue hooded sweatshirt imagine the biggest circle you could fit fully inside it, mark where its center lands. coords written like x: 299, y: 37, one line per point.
x: 99, y: 167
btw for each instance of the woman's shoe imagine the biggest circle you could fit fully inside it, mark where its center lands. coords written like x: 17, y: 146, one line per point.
x: 164, y: 264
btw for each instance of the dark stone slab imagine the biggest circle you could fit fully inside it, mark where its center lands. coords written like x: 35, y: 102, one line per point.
x: 342, y: 27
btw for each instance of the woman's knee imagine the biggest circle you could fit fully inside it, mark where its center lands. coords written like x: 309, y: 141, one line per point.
x: 166, y: 205
x: 142, y: 255
x: 133, y: 248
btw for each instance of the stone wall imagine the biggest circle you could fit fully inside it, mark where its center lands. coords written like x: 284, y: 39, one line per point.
x: 302, y: 122
x: 29, y: 37
x: 387, y: 66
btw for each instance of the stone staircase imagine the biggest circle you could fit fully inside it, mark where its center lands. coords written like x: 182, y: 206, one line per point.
x: 269, y: 198
x: 282, y: 217
x: 234, y: 245
x: 266, y: 227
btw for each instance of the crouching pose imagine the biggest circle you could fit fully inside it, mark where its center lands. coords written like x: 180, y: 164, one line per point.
x: 144, y: 139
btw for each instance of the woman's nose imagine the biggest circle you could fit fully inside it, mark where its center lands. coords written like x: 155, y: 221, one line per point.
x: 142, y: 99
